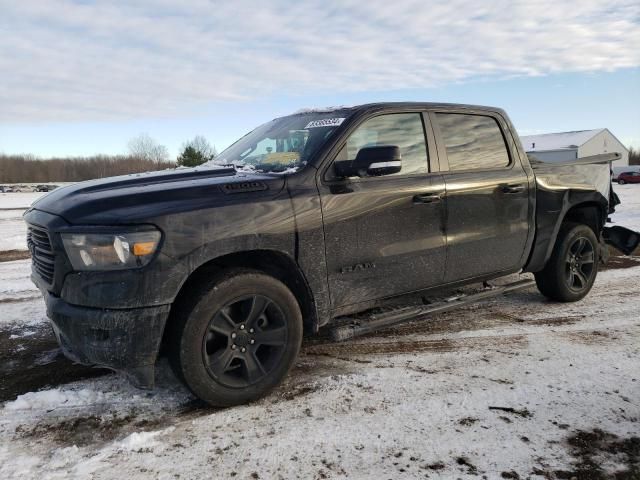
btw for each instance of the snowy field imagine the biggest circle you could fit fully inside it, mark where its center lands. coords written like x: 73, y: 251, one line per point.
x: 12, y: 229
x: 628, y: 212
x: 516, y: 387
x: 18, y: 200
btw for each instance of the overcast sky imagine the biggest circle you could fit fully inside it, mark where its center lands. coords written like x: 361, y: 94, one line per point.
x: 83, y: 77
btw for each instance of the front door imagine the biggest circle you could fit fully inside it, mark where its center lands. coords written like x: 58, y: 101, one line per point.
x: 384, y: 235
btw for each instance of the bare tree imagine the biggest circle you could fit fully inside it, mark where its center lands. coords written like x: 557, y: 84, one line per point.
x: 146, y: 148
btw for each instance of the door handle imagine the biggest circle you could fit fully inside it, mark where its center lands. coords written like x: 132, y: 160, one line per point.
x: 513, y: 188
x: 426, y: 198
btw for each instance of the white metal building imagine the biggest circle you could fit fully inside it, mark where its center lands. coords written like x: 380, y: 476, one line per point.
x: 567, y: 146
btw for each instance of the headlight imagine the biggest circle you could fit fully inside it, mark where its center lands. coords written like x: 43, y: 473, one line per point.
x: 110, y: 251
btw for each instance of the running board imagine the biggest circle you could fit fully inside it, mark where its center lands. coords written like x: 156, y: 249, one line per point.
x: 357, y: 327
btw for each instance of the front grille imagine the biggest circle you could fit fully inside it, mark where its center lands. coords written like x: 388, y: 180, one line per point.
x: 42, y: 256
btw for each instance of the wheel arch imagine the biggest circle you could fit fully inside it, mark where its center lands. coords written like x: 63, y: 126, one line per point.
x: 589, y: 213
x: 271, y: 262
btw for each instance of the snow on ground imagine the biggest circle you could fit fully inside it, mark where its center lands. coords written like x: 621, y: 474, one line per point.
x: 18, y: 200
x: 628, y: 212
x: 501, y: 386
x: 13, y: 230
x: 21, y: 303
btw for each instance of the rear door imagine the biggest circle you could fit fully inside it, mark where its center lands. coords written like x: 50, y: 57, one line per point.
x: 487, y: 195
x: 384, y: 235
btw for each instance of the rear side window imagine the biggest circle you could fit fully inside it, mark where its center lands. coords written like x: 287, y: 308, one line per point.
x: 400, y: 129
x: 472, y: 141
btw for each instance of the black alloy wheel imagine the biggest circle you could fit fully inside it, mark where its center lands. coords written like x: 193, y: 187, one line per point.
x: 580, y: 261
x: 245, y: 339
x: 234, y: 335
x: 572, y: 268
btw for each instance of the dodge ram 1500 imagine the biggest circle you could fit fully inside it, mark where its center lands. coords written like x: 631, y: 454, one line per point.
x: 306, y: 219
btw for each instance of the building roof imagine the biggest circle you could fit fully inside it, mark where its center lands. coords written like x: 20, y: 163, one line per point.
x: 558, y: 141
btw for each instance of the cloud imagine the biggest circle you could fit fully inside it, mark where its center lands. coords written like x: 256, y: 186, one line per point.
x: 79, y: 61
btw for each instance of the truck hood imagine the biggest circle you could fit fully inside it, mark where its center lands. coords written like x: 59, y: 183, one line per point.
x: 142, y: 197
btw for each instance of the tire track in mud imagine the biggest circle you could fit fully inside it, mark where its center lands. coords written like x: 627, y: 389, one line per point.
x: 348, y: 349
x: 11, y: 255
x: 29, y: 296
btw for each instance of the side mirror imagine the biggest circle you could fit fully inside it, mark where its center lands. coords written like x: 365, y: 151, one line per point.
x: 372, y: 161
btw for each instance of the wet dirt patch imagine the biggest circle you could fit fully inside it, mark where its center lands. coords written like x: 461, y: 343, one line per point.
x: 619, y: 260
x: 87, y: 430
x: 510, y: 474
x: 523, y: 412
x: 11, y: 255
x: 501, y: 381
x: 306, y: 376
x: 298, y: 391
x: 467, y: 421
x: 592, y: 337
x: 348, y: 349
x: 556, y: 321
x: 464, y: 463
x: 602, y: 455
x: 438, y: 325
x: 505, y: 317
x: 30, y: 363
x: 27, y: 298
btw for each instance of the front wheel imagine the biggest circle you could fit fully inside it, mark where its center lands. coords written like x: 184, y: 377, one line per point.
x: 572, y: 268
x: 236, y: 337
x: 621, y: 182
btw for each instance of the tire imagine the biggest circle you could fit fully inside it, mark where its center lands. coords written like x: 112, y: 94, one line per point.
x: 572, y: 268
x: 235, y: 337
x: 621, y: 182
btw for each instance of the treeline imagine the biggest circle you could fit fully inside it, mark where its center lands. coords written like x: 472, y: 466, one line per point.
x: 29, y: 169
x: 145, y: 155
x: 634, y: 156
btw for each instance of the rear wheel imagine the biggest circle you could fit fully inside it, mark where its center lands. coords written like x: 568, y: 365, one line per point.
x: 236, y: 337
x: 572, y: 268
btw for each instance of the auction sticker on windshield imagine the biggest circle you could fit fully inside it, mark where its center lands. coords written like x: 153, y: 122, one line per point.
x: 326, y: 122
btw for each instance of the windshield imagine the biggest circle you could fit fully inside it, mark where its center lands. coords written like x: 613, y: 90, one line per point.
x: 283, y: 144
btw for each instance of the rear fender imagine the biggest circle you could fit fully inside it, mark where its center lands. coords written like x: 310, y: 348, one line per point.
x: 555, y: 207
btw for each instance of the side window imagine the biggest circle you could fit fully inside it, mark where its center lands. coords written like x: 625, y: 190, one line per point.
x: 401, y: 129
x: 472, y: 141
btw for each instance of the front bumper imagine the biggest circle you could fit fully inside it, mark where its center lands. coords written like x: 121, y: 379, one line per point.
x: 125, y: 340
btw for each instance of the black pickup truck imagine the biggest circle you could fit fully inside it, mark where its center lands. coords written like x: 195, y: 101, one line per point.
x: 308, y: 218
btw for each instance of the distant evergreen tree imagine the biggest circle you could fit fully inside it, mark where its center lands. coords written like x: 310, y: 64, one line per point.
x: 196, y: 152
x: 190, y: 157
